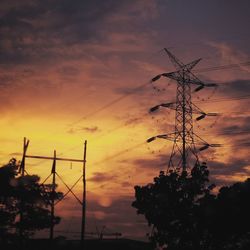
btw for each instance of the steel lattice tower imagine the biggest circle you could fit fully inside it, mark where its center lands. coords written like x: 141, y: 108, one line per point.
x: 185, y: 142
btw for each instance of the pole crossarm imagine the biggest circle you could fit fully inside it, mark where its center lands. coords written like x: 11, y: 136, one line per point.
x: 52, y: 158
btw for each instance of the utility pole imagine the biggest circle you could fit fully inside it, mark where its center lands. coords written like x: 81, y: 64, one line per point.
x: 53, y: 190
x: 22, y: 172
x: 84, y: 196
x: 185, y: 141
x: 52, y: 222
x: 25, y: 147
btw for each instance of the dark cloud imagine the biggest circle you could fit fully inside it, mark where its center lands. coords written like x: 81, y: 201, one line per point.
x: 102, y: 177
x: 220, y: 171
x: 160, y: 162
x: 224, y: 173
x: 236, y: 88
x: 230, y: 168
x: 237, y: 128
x: 36, y: 30
x: 236, y: 125
x: 48, y: 29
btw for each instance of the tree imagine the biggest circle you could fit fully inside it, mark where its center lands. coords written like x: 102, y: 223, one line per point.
x: 230, y: 217
x: 23, y: 195
x: 186, y: 215
x: 7, y: 201
x: 170, y: 205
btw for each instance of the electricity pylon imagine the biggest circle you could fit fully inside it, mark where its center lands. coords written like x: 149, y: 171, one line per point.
x: 185, y: 141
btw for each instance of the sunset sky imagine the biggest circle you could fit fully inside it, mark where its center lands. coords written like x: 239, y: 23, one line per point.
x: 72, y: 70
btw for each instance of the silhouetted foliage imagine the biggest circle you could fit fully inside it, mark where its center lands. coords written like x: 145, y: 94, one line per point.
x: 185, y: 214
x: 229, y: 218
x: 23, y: 193
x: 170, y: 204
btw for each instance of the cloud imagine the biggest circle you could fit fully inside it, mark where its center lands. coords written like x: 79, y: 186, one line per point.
x: 236, y: 88
x: 102, y: 177
x: 237, y: 128
x: 238, y: 122
x: 221, y: 172
x: 38, y: 30
x: 67, y: 43
x: 160, y: 162
x: 93, y: 129
x: 224, y: 173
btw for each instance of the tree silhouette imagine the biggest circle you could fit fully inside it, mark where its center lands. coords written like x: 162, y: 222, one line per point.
x: 186, y: 215
x: 170, y: 206
x: 23, y: 193
x: 229, y: 218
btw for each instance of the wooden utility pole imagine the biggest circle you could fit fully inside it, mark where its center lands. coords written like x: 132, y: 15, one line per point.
x: 53, y: 191
x: 52, y: 214
x: 22, y: 172
x: 84, y: 196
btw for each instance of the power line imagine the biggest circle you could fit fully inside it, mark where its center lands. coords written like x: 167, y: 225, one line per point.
x: 231, y: 132
x: 129, y: 149
x: 133, y: 91
x: 102, y: 161
x: 244, y: 97
x: 223, y: 67
x: 122, y: 152
x: 109, y: 104
x: 125, y: 125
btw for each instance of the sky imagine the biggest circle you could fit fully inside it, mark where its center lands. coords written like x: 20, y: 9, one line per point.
x: 80, y: 70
